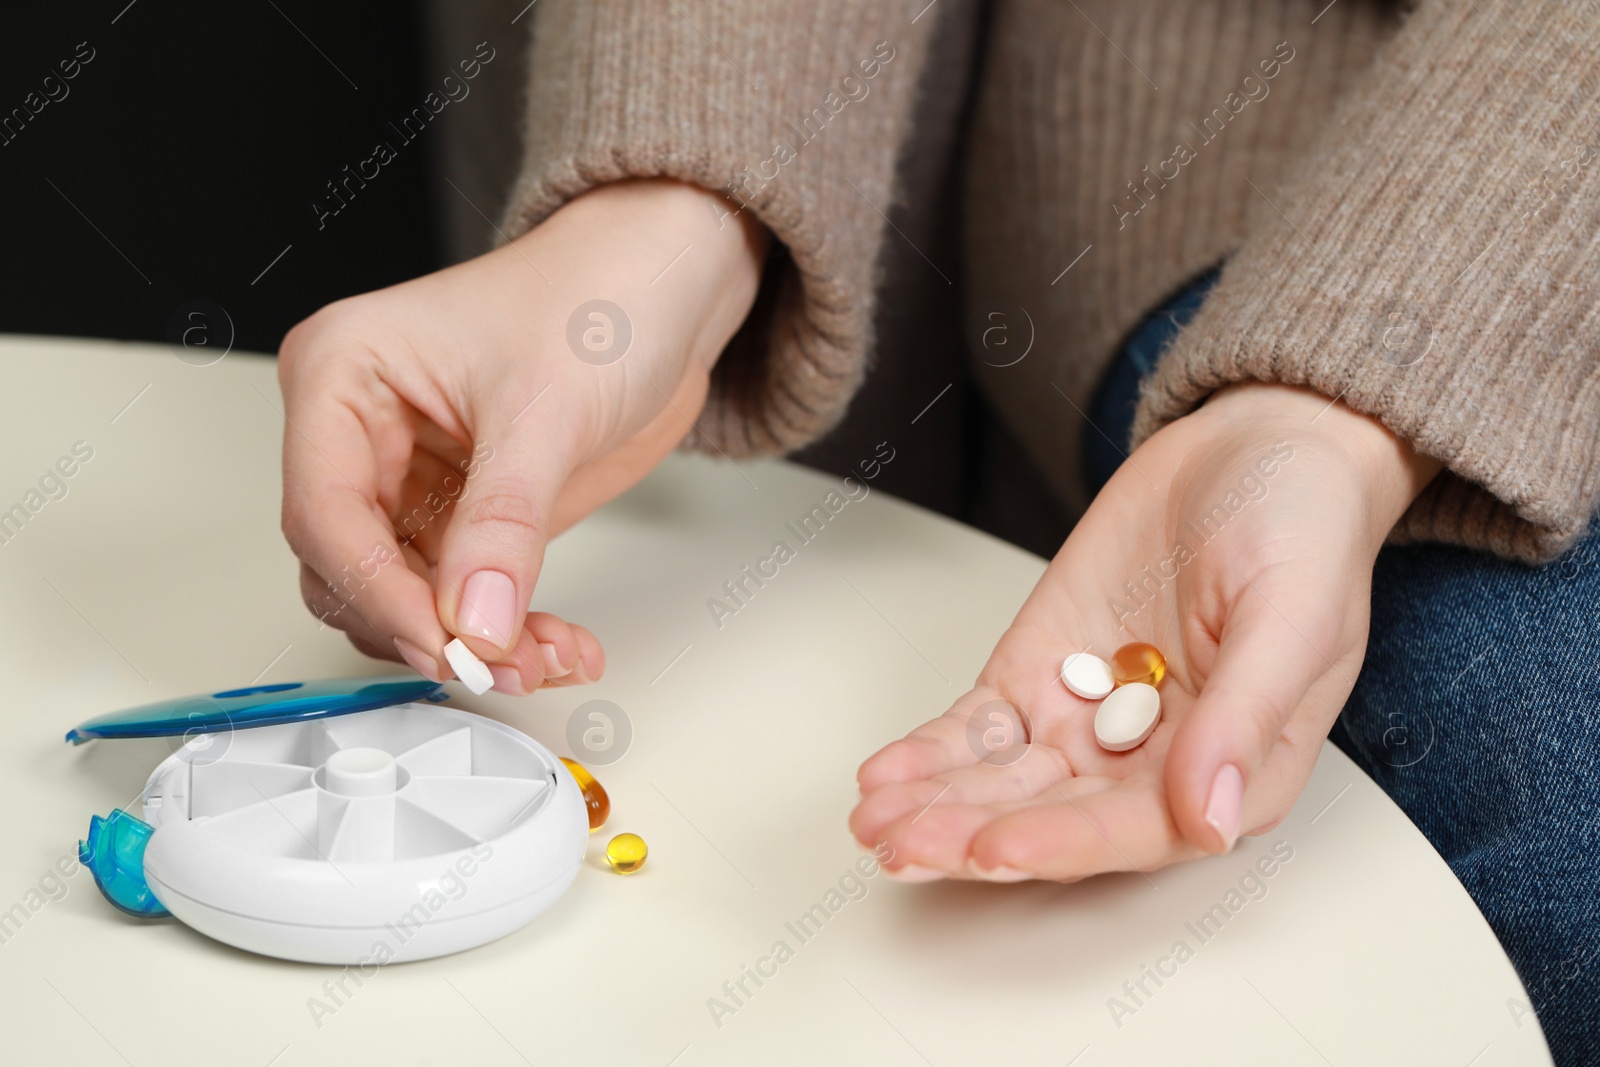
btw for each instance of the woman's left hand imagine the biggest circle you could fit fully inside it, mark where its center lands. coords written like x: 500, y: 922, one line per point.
x: 1240, y: 541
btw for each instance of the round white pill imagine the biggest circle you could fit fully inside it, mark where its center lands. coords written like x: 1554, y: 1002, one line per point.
x: 1127, y: 717
x: 1087, y: 675
x: 468, y: 667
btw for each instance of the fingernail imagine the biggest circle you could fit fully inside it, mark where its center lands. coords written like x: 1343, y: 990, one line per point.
x: 998, y: 874
x: 552, y: 662
x: 489, y: 608
x: 1225, y: 806
x: 507, y: 680
x: 912, y: 873
x: 418, y: 660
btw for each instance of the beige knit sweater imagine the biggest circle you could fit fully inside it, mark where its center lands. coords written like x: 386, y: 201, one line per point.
x: 1408, y: 203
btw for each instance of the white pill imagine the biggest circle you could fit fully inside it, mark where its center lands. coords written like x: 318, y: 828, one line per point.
x: 1087, y: 675
x: 1127, y: 717
x: 468, y: 668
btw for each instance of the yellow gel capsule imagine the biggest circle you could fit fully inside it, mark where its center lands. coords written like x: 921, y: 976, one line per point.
x: 1138, y: 662
x: 626, y: 853
x: 594, y: 794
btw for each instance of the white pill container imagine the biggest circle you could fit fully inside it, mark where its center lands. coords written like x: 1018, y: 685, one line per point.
x: 344, y: 821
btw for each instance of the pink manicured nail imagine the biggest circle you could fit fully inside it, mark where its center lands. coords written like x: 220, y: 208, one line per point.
x: 1225, y: 806
x: 912, y: 873
x: 418, y: 660
x: 489, y: 608
x: 552, y: 662
x: 998, y: 874
x: 507, y: 680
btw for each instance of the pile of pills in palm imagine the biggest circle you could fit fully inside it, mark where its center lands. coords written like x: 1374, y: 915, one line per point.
x: 1130, y: 706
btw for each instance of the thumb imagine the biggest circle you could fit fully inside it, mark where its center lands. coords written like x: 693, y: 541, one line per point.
x: 1266, y: 663
x: 493, y: 547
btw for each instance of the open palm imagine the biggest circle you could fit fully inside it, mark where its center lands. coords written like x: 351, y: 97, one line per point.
x: 1240, y: 541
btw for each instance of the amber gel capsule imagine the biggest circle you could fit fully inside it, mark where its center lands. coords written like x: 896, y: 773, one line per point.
x: 1138, y: 662
x: 594, y: 794
x: 626, y: 853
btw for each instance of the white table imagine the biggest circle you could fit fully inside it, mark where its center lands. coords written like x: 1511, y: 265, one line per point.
x: 162, y: 573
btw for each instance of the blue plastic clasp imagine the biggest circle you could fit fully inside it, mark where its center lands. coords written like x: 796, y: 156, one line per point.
x: 114, y: 854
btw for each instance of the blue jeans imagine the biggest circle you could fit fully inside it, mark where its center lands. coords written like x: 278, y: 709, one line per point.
x: 1478, y: 711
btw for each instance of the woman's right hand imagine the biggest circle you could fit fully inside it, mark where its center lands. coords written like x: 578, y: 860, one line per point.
x: 442, y: 430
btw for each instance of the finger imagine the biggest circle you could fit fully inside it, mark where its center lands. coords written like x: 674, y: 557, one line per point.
x: 939, y: 745
x: 880, y: 809
x: 426, y: 501
x: 528, y: 666
x: 1125, y: 827
x: 493, y: 547
x: 557, y: 644
x: 1037, y: 776
x: 591, y: 662
x: 1265, y: 666
x: 320, y: 599
x: 331, y: 518
x: 367, y: 648
x: 935, y: 842
x: 339, y: 615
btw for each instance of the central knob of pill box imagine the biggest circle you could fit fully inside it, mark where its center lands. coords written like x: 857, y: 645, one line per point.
x: 361, y: 772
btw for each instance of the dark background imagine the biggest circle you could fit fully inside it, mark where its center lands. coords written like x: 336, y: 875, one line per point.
x: 196, y: 141
x: 183, y: 164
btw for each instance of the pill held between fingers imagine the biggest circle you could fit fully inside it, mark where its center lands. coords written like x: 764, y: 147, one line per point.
x: 1087, y: 675
x: 468, y: 667
x: 1127, y: 717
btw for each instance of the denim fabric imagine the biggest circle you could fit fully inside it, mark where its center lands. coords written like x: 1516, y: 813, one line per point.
x: 1105, y: 440
x: 1478, y: 711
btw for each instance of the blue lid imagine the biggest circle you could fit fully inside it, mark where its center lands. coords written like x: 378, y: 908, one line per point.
x: 259, y: 705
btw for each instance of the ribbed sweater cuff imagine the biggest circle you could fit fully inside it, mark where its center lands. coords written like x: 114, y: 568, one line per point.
x: 794, y: 109
x: 1431, y: 263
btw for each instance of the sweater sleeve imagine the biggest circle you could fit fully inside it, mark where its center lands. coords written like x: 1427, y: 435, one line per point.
x: 793, y: 110
x: 1434, y: 262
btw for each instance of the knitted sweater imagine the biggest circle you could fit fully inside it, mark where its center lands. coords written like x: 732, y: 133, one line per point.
x: 1407, y: 204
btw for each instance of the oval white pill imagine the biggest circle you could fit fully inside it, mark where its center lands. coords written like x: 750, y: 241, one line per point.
x: 1087, y: 675
x: 468, y: 667
x: 1127, y: 717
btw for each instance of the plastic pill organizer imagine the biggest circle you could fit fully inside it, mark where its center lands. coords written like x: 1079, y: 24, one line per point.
x: 343, y: 821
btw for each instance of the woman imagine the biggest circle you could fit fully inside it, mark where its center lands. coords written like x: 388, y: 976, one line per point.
x: 1400, y: 348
